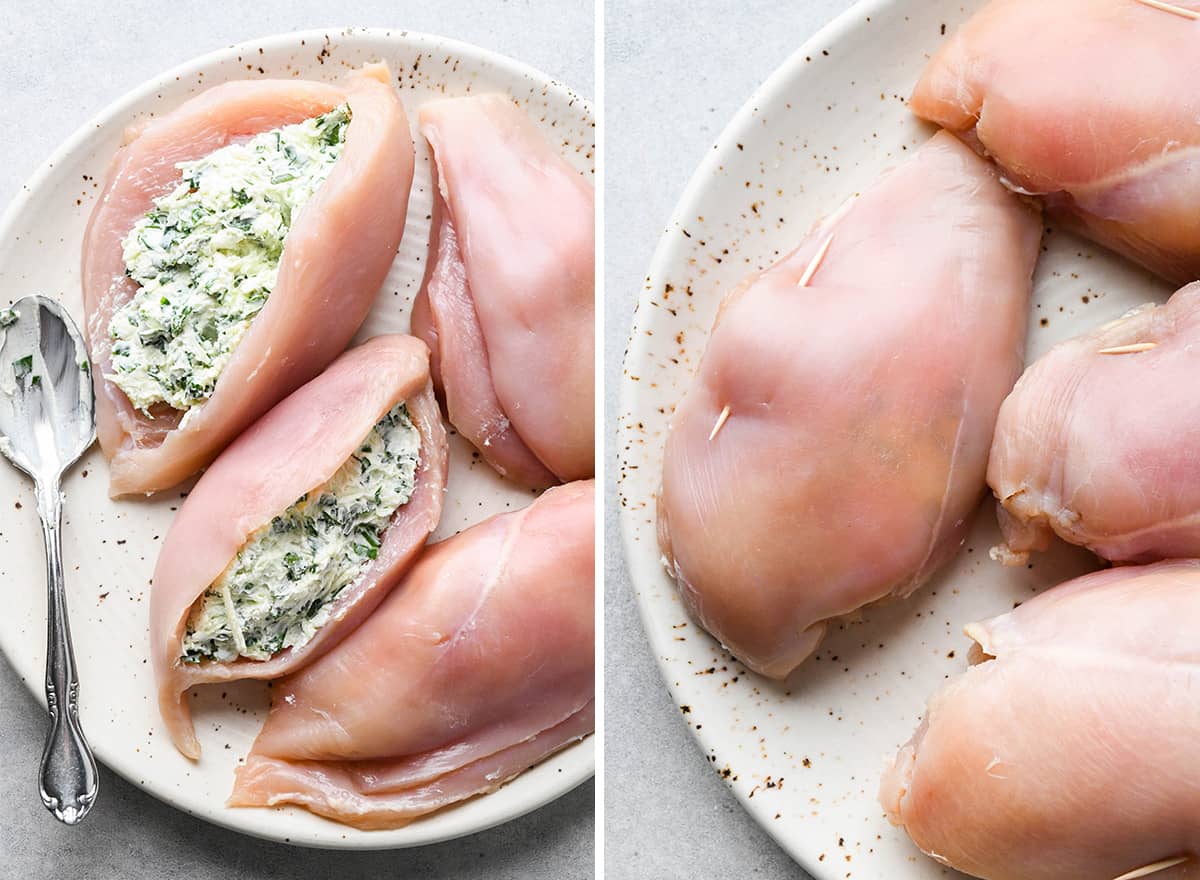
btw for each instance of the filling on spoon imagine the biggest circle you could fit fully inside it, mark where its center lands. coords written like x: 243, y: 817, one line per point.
x: 207, y: 257
x: 279, y: 589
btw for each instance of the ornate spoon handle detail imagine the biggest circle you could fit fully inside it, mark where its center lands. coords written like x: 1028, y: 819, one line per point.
x: 68, y: 780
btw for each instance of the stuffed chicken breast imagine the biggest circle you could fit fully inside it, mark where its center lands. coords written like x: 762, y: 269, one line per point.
x: 1097, y: 441
x: 1066, y: 751
x: 1084, y: 102
x: 834, y: 440
x: 300, y: 528
x: 235, y: 250
x: 507, y: 307
x: 479, y: 665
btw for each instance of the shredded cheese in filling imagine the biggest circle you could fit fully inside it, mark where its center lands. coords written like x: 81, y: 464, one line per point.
x: 278, y: 591
x: 207, y: 256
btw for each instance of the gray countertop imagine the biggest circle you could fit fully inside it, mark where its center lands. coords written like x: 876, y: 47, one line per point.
x: 63, y: 63
x: 675, y: 74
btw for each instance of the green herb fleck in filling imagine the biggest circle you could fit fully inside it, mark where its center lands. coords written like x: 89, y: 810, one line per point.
x: 8, y: 317
x: 278, y: 590
x: 206, y: 258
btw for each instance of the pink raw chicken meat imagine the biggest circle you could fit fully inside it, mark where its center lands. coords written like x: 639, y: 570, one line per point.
x: 507, y: 306
x: 1100, y: 448
x: 477, y: 667
x: 293, y: 449
x: 860, y: 409
x: 1068, y: 750
x: 337, y: 255
x: 1088, y: 103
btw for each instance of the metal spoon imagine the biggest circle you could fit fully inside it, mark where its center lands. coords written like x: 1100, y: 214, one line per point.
x: 47, y: 420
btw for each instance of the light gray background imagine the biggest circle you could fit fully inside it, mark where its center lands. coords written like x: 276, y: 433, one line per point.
x: 61, y: 64
x: 674, y: 75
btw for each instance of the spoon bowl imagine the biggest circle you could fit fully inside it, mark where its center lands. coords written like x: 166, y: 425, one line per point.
x: 47, y: 408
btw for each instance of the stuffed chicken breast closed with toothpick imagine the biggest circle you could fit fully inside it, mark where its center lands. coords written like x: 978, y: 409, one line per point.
x: 834, y: 440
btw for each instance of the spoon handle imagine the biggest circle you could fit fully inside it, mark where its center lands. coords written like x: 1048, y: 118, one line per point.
x: 68, y: 779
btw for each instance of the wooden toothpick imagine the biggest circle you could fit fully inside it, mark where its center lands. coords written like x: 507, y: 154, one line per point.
x: 1132, y: 348
x: 1147, y: 870
x: 1174, y: 10
x: 816, y: 262
x: 721, y: 420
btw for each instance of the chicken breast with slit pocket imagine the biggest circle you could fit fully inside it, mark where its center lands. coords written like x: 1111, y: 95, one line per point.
x: 1066, y: 751
x: 479, y: 665
x: 1085, y: 103
x: 1098, y: 441
x: 300, y: 528
x: 508, y: 302
x: 834, y: 440
x: 239, y: 242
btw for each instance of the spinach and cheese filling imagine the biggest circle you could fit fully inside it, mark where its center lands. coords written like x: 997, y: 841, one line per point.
x: 206, y: 258
x: 278, y: 590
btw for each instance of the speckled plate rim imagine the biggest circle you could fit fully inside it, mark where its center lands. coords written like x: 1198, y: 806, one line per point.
x: 665, y: 254
x: 577, y: 771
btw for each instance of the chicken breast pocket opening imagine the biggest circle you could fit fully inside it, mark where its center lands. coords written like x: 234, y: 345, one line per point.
x: 238, y: 244
x: 300, y: 528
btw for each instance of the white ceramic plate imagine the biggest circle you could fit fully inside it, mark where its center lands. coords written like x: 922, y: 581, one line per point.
x: 110, y: 548
x: 804, y: 757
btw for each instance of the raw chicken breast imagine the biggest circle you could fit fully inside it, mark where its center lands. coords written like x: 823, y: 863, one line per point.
x: 1067, y: 752
x: 507, y: 307
x: 292, y: 450
x: 337, y: 254
x: 1085, y: 102
x: 1083, y: 450
x: 477, y: 667
x: 835, y: 438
